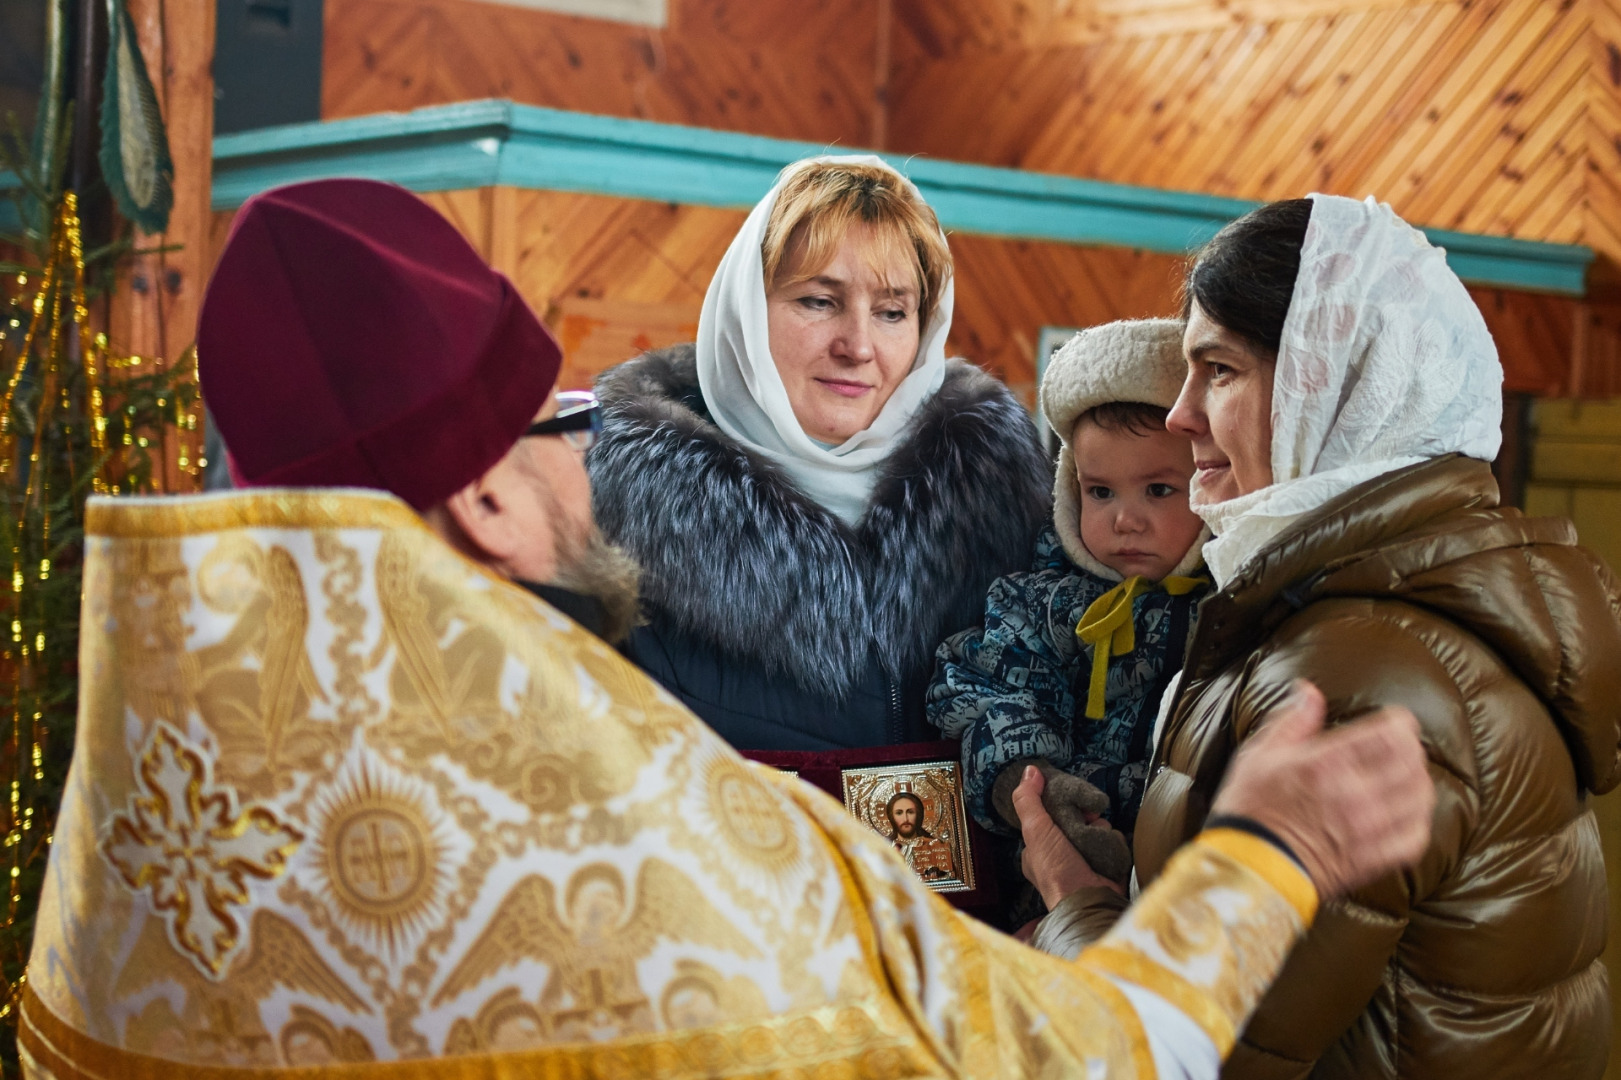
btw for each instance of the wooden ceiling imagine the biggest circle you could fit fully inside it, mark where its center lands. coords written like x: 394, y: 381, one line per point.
x: 1491, y: 116
x: 801, y: 69
x: 1494, y: 116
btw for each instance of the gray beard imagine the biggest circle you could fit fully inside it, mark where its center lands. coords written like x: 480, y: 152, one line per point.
x: 605, y: 572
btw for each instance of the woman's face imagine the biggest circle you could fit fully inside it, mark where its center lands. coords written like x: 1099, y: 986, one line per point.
x: 844, y: 338
x: 1225, y: 408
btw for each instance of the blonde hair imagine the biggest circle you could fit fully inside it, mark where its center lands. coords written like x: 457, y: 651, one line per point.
x: 820, y: 202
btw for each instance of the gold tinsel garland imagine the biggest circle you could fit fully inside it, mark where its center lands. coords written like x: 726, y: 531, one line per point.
x: 59, y: 318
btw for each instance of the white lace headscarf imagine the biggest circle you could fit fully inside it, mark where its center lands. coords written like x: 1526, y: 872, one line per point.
x: 1385, y: 362
x: 745, y: 393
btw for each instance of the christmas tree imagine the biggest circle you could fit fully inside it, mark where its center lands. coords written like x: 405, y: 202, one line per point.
x: 77, y: 418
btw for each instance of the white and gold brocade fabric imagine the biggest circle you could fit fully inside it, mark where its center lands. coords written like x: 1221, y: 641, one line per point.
x: 342, y: 803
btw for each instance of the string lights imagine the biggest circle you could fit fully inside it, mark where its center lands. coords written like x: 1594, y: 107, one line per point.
x: 76, y: 418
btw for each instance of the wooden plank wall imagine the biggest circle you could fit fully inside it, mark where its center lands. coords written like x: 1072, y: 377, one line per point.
x: 1463, y: 114
x: 1491, y: 116
x: 1602, y: 224
x: 1499, y: 116
x: 1494, y: 116
x: 1007, y: 287
x: 800, y: 69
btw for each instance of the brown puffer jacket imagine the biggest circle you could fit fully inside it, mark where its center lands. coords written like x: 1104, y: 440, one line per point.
x: 1503, y: 638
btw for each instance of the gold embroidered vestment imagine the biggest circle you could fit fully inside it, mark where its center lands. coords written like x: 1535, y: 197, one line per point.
x: 342, y: 803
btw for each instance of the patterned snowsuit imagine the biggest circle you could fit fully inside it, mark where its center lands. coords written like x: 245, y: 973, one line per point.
x: 1016, y: 686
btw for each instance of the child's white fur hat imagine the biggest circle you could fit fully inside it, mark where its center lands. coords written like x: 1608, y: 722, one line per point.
x: 1132, y: 360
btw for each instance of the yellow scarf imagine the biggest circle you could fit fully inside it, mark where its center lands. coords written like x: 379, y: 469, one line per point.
x: 1107, y: 626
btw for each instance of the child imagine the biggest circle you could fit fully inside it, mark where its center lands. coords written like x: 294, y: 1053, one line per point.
x: 1068, y: 669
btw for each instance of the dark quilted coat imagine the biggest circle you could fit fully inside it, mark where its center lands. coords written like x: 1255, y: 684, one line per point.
x: 1502, y: 636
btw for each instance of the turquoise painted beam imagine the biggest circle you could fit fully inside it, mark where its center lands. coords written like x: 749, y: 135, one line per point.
x: 496, y: 142
x: 482, y: 143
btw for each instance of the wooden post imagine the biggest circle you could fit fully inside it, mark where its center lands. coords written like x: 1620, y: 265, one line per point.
x: 1581, y: 318
x: 154, y: 312
x: 880, y: 75
x: 501, y: 247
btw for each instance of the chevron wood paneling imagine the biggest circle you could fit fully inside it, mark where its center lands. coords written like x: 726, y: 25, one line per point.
x: 616, y: 277
x: 1465, y: 114
x: 1496, y: 116
x: 1046, y: 23
x: 1491, y: 116
x: 803, y: 69
x: 1007, y: 290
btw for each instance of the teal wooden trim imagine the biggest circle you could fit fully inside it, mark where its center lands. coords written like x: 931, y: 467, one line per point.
x: 480, y: 143
x: 1507, y: 263
x: 438, y: 149
x: 496, y: 142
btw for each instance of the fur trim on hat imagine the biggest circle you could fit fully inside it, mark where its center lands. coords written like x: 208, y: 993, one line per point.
x: 1131, y: 360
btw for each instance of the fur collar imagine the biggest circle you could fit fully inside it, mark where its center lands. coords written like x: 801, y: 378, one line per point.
x: 736, y: 555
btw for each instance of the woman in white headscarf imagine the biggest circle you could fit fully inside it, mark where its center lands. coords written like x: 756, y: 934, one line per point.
x: 817, y: 495
x: 1344, y: 401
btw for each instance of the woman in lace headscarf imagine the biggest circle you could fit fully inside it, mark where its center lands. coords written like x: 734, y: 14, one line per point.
x: 1344, y: 401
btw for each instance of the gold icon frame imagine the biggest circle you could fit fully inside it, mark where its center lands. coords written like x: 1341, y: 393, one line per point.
x: 937, y: 786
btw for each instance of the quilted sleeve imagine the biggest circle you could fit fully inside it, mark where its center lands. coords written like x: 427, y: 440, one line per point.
x: 1354, y: 938
x: 1003, y: 690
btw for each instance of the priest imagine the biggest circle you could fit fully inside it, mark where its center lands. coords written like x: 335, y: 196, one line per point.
x: 360, y: 790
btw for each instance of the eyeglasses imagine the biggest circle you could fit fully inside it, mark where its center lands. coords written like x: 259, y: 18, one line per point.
x: 578, y: 420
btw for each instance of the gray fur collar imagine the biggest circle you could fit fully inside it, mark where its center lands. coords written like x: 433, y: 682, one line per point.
x: 736, y: 555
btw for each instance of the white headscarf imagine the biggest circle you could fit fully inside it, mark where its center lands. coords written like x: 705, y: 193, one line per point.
x: 745, y: 393
x: 1385, y: 361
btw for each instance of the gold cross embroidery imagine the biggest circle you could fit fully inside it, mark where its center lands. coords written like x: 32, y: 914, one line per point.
x: 184, y: 843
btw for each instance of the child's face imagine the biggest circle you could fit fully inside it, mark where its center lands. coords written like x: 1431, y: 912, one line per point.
x: 1135, y: 517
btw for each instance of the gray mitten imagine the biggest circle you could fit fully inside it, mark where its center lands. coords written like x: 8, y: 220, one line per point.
x: 1070, y: 800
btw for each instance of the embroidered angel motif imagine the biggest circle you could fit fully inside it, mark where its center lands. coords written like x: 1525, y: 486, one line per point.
x: 593, y: 943
x: 223, y: 1022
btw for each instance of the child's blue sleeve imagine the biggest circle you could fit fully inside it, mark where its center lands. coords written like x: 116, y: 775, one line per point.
x: 1006, y: 689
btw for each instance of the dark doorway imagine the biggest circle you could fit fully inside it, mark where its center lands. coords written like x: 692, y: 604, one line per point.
x: 267, y: 63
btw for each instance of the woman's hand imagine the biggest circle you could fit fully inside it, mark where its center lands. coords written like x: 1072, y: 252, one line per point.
x: 1050, y: 862
x: 1353, y: 803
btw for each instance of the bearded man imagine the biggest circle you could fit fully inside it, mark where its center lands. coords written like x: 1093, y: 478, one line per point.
x: 341, y: 783
x: 295, y: 409
x: 924, y: 853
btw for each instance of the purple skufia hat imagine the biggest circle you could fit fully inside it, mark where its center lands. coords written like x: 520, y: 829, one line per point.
x: 350, y: 337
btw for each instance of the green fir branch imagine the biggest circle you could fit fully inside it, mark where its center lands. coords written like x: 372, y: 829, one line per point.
x: 142, y: 403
